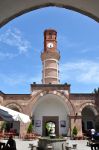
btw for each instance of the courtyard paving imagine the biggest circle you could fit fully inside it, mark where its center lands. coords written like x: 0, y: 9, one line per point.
x: 24, y: 145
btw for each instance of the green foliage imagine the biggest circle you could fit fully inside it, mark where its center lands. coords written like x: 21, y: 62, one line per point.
x: 4, y: 126
x: 96, y: 91
x: 47, y: 127
x: 75, y: 131
x: 30, y: 128
x: 50, y: 126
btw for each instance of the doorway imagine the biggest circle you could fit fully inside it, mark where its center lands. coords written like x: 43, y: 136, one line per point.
x: 45, y: 120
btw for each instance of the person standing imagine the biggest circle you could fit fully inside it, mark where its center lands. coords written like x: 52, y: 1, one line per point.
x: 11, y: 144
x: 92, y: 133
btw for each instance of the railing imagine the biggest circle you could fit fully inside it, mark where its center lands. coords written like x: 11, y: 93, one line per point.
x: 30, y: 136
x: 6, y: 135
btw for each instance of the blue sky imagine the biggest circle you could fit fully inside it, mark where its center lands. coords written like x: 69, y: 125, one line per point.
x: 21, y: 43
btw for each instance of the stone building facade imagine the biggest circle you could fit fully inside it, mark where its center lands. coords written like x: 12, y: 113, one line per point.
x: 52, y: 101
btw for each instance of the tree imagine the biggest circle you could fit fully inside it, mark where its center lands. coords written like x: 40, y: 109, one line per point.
x: 50, y: 126
x: 75, y: 131
x: 96, y: 92
x: 30, y: 128
x: 5, y: 126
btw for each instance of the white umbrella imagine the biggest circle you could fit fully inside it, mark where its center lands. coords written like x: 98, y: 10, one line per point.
x: 4, y: 115
x: 12, y: 115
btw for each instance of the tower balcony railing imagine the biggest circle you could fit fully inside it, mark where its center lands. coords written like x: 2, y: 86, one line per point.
x: 51, y: 77
x: 51, y: 59
x: 50, y: 68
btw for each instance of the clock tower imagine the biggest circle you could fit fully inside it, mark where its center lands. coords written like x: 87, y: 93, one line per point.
x: 50, y: 57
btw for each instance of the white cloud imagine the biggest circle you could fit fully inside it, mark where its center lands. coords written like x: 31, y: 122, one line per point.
x: 7, y: 55
x: 18, y: 79
x: 83, y: 71
x: 84, y: 50
x: 14, y: 37
x: 90, y: 49
x: 81, y: 47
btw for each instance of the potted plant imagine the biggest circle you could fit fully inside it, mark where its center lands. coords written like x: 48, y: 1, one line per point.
x: 74, y: 132
x: 50, y: 126
x: 4, y: 127
x: 30, y: 128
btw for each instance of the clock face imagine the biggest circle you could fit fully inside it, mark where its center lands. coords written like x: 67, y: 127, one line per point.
x: 50, y: 45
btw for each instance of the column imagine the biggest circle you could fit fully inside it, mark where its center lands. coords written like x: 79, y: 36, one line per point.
x: 76, y: 121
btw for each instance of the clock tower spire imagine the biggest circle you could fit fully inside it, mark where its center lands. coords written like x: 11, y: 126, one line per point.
x: 50, y: 57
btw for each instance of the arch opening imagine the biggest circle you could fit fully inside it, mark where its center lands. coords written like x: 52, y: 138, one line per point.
x: 51, y: 108
x: 13, y: 126
x: 89, y: 119
x: 20, y: 9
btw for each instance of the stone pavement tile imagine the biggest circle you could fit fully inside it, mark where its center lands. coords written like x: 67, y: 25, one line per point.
x: 81, y: 144
x: 24, y: 145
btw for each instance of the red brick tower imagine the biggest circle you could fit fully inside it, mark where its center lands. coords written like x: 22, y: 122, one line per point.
x: 50, y: 58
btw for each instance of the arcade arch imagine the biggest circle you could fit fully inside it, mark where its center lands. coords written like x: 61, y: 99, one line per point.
x: 15, y: 125
x: 89, y: 8
x: 89, y: 117
x: 51, y: 108
x: 14, y: 106
x: 62, y: 94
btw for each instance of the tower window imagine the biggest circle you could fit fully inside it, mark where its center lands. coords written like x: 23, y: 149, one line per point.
x: 50, y: 35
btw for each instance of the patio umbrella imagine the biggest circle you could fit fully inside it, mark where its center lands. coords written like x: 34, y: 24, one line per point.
x: 8, y: 114
x: 4, y: 115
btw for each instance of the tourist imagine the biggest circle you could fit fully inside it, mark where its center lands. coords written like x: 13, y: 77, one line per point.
x: 92, y: 133
x: 11, y: 144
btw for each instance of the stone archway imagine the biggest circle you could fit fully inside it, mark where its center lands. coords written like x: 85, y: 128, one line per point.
x: 60, y: 94
x: 10, y: 9
x: 90, y: 105
x: 89, y: 115
x: 14, y: 126
x: 14, y: 106
x: 51, y: 105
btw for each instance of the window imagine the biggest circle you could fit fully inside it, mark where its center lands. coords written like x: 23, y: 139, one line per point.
x: 50, y: 35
